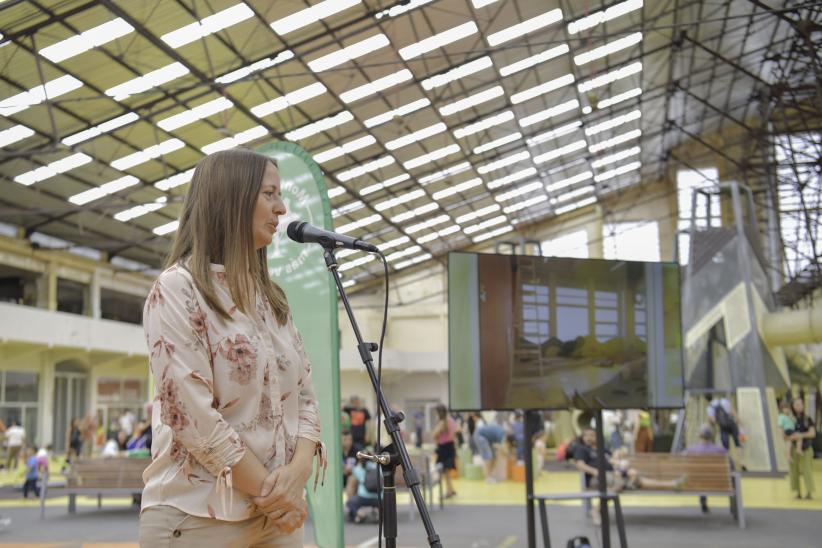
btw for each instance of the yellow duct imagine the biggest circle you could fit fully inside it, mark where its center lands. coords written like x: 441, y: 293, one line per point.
x: 793, y: 327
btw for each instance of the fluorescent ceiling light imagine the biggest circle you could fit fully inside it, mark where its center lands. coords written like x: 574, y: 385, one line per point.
x: 519, y: 191
x: 525, y: 204
x: 175, y: 180
x: 401, y: 7
x: 348, y: 283
x: 197, y: 113
x: 149, y: 153
x: 320, y: 125
x: 167, y: 228
x: 385, y: 184
x: 525, y: 27
x: 376, y: 86
x: 148, y: 81
x: 140, y: 210
x: 504, y: 162
x: 336, y: 191
x: 241, y: 138
x: 542, y: 89
x: 100, y: 129
x: 610, y: 77
x: 488, y: 223
x: 310, y: 15
x: 396, y: 113
x: 611, y: 101
x: 584, y: 176
x: 558, y: 132
x: 350, y: 146
x: 510, y: 138
x: 598, y: 17
x: 548, y: 113
x: 472, y: 100
x: 462, y: 187
x: 447, y: 172
x: 345, y: 209
x: 617, y: 140
x: 92, y: 38
x: 561, y: 151
x: 442, y: 79
x: 60, y: 166
x: 613, y: 122
x: 413, y: 261
x: 416, y: 212
x: 616, y: 157
x: 405, y: 198
x: 431, y: 156
x: 621, y: 170
x: 439, y: 234
x: 484, y: 124
x: 289, y: 99
x: 438, y: 40
x: 404, y: 253
x: 208, y: 25
x: 573, y: 194
x: 14, y: 134
x: 38, y: 94
x: 263, y: 64
x: 104, y: 190
x: 348, y: 53
x: 512, y: 177
x: 428, y: 224
x: 493, y: 234
x: 358, y: 171
x: 477, y: 214
x: 356, y: 262
x: 534, y: 60
x: 577, y: 205
x: 608, y: 49
x: 418, y: 135
x: 370, y: 220
x: 394, y: 243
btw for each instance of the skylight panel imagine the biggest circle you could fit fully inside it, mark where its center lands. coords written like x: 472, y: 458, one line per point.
x: 421, y: 210
x: 208, y: 25
x: 428, y: 224
x: 542, y: 89
x: 418, y: 135
x: 149, y: 153
x: 370, y: 220
x: 336, y: 191
x: 494, y: 221
x: 148, y: 81
x: 445, y: 78
x: 413, y: 261
x: 519, y: 206
x: 103, y: 190
x: 345, y: 209
x: 356, y: 262
x: 438, y: 40
x: 167, y: 228
x: 472, y: 100
x: 263, y: 64
x: 54, y: 168
x: 320, y: 125
x: 616, y: 157
x: 376, y: 86
x: 613, y: 122
x: 610, y: 77
x: 350, y: 146
x: 394, y: 243
x: 512, y: 177
x: 534, y: 60
x: 241, y: 138
x: 37, y: 94
x: 404, y: 253
x: 396, y: 113
x: 175, y: 180
x: 519, y: 191
x: 491, y: 121
x: 577, y: 205
x: 573, y: 194
x: 431, y: 156
x: 554, y: 133
x: 561, y: 151
x: 496, y: 143
x: 92, y: 38
x: 590, y: 21
x: 100, y: 129
x: 504, y: 162
x: 617, y: 140
x: 493, y: 234
x: 611, y: 101
x: 385, y: 184
x: 548, y: 113
x: 584, y: 176
x: 14, y: 134
x: 289, y: 99
x: 487, y: 210
x: 349, y: 53
x: 447, y: 172
x: 455, y: 189
x: 402, y: 7
x: 140, y: 210
x: 525, y: 27
x: 310, y: 15
x: 612, y: 47
x: 621, y: 170
x: 197, y: 113
x: 360, y: 170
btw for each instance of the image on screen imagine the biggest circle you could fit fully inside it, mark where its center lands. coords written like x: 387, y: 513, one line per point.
x: 530, y: 332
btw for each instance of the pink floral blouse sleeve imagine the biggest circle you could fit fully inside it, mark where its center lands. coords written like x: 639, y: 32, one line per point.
x: 181, y: 363
x: 309, y: 415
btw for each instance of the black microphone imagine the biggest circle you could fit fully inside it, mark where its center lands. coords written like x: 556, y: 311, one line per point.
x: 304, y: 233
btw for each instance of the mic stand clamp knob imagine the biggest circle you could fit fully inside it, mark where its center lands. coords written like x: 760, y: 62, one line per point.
x: 383, y: 459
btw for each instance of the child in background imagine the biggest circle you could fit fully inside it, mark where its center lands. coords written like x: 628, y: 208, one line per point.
x: 787, y: 423
x: 31, y: 474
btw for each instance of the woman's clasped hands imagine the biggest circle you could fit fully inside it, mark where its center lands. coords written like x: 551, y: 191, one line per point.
x: 282, y: 497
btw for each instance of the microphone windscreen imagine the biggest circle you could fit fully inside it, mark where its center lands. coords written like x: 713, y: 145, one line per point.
x: 293, y: 231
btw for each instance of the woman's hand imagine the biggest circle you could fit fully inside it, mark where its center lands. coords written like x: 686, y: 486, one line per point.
x: 281, y: 495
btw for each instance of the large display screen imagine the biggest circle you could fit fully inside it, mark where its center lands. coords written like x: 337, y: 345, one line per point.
x: 528, y: 332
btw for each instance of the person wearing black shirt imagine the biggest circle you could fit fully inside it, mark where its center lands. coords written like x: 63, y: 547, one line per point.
x: 802, y: 463
x: 360, y: 418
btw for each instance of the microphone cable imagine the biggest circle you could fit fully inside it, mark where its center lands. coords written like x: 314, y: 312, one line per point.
x: 379, y: 382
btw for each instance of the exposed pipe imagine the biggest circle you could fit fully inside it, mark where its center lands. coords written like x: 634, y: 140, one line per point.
x: 793, y: 327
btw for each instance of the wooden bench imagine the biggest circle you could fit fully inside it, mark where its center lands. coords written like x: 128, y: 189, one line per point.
x: 118, y: 476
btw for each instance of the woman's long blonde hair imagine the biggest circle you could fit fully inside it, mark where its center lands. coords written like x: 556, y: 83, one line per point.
x: 216, y: 227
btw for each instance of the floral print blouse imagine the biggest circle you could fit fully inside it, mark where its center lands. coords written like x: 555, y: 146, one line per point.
x: 221, y: 388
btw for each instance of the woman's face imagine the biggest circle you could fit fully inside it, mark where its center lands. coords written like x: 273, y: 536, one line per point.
x: 798, y: 406
x: 269, y: 207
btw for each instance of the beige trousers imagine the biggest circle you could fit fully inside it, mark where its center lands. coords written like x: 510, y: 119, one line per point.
x: 167, y: 527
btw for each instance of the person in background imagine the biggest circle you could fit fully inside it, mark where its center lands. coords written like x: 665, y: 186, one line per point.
x: 74, y: 441
x: 362, y: 488
x: 518, y: 432
x: 723, y: 416
x: 349, y: 456
x: 360, y: 422
x: 471, y: 425
x: 444, y: 432
x: 127, y: 421
x: 643, y: 432
x: 802, y: 464
x: 787, y: 424
x: 705, y: 446
x: 419, y: 426
x: 139, y: 437
x: 15, y: 438
x: 30, y: 483
x: 486, y: 438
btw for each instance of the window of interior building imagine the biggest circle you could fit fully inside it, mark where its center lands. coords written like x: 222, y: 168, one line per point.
x: 121, y: 307
x: 606, y: 315
x: 19, y: 400
x: 71, y: 296
x: 631, y: 241
x: 688, y: 181
x: 535, y: 313
x: 573, y: 244
x: 116, y: 396
x: 572, y: 307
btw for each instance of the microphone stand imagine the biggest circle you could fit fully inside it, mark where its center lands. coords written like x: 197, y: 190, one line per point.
x: 394, y: 454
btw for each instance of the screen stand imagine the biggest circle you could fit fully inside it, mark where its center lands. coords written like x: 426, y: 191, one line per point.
x: 529, y: 476
x: 602, y: 481
x: 396, y: 453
